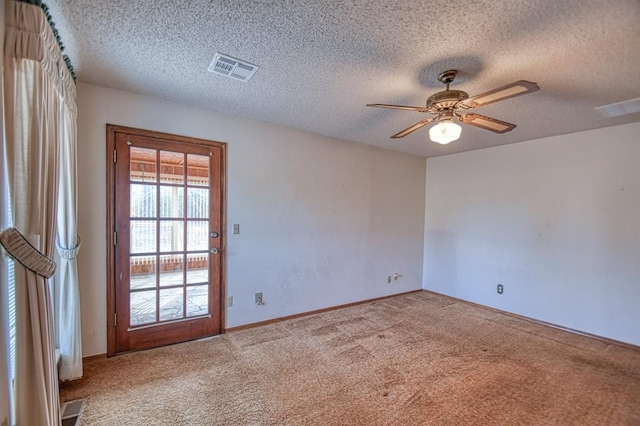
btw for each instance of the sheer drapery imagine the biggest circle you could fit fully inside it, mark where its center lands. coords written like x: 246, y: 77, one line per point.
x: 39, y: 95
x: 67, y: 310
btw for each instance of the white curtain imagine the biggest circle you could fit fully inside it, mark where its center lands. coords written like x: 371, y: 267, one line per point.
x: 67, y: 312
x: 39, y: 101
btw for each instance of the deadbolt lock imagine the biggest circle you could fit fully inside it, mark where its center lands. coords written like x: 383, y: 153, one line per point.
x: 214, y: 235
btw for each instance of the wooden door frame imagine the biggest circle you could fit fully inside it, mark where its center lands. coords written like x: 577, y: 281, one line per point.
x: 112, y: 131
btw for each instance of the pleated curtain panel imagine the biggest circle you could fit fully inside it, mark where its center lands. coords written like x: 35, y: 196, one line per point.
x: 40, y: 157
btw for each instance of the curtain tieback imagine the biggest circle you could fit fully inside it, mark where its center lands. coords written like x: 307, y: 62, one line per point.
x: 21, y: 250
x: 69, y: 253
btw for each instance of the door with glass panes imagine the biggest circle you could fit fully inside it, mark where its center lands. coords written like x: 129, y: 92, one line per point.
x: 167, y: 201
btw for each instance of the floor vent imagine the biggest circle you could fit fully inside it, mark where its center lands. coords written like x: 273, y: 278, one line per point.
x: 232, y: 67
x: 71, y: 412
x: 620, y: 108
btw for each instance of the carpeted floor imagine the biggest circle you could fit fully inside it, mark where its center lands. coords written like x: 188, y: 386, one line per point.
x: 415, y: 359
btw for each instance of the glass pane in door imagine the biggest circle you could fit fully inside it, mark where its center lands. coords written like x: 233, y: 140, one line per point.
x: 198, y: 235
x: 142, y: 236
x: 197, y: 300
x: 171, y: 270
x: 143, y: 307
x: 171, y: 303
x: 171, y: 201
x: 172, y: 167
x: 197, y: 170
x: 143, y: 200
x: 171, y: 236
x: 197, y: 203
x: 142, y: 272
x: 197, y: 268
x: 143, y: 167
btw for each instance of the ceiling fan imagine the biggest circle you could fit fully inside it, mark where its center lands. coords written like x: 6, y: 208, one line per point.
x: 449, y: 104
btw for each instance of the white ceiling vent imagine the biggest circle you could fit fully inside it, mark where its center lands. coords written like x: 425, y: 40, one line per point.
x: 232, y: 67
x: 620, y: 108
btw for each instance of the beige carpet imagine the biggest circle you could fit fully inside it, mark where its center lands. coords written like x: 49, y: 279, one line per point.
x: 416, y: 359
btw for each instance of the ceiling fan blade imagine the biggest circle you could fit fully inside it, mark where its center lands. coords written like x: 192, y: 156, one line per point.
x: 487, y: 123
x: 413, y: 128
x: 406, y: 108
x: 517, y: 88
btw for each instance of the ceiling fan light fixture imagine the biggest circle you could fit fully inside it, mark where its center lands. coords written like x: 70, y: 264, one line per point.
x: 445, y: 132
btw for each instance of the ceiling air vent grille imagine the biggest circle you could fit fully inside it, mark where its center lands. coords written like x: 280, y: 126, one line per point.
x: 232, y: 67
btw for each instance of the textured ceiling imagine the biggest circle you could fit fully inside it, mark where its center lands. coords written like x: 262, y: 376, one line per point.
x: 322, y: 61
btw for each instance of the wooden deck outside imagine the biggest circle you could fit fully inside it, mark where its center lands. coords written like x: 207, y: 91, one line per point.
x: 143, y: 303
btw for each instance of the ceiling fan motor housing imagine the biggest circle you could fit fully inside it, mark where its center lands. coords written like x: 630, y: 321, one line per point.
x: 447, y: 99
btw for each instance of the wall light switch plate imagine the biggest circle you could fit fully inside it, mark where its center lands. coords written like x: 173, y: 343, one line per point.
x: 236, y: 228
x: 229, y: 301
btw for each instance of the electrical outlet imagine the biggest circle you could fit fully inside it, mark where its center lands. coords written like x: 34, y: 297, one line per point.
x: 258, y: 299
x: 500, y: 288
x: 236, y: 228
x: 389, y: 279
x: 229, y: 301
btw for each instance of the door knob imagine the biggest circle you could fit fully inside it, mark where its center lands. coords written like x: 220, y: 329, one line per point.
x: 214, y: 250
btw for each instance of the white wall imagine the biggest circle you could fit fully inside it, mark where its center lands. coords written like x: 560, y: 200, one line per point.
x: 323, y: 222
x: 555, y: 220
